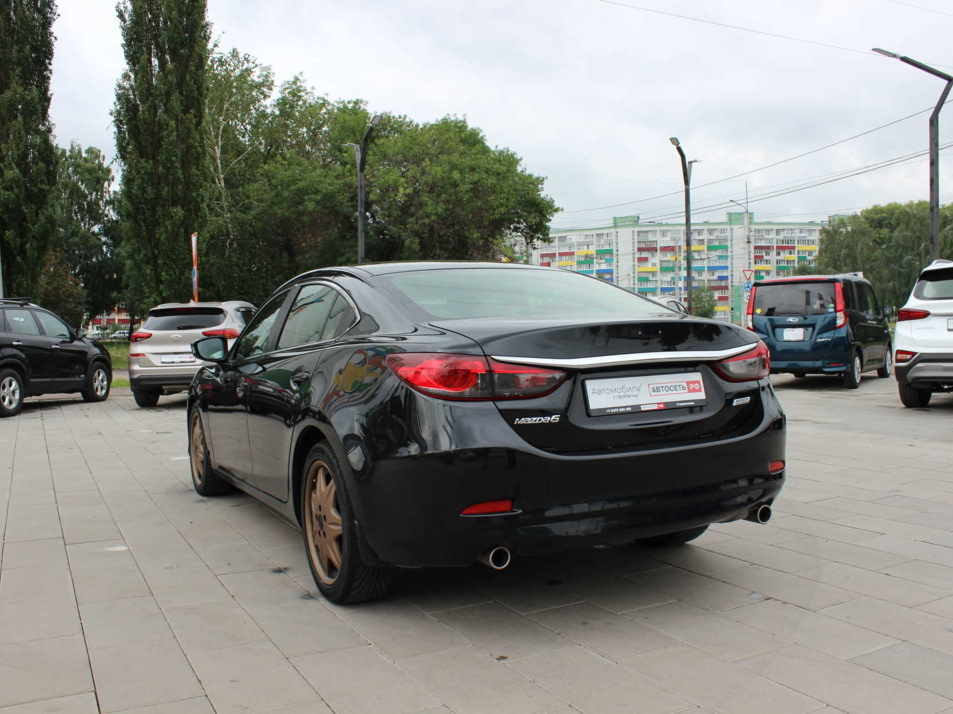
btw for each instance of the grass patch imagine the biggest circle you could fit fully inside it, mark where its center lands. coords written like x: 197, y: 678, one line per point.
x: 119, y: 352
x: 120, y: 383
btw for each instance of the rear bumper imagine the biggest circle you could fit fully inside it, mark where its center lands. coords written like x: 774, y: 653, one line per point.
x: 808, y: 367
x: 410, y: 506
x: 165, y: 382
x: 927, y: 371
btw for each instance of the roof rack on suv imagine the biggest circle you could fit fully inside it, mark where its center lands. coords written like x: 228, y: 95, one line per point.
x: 16, y: 300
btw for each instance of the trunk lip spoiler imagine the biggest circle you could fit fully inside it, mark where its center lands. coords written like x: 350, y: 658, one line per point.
x: 633, y: 358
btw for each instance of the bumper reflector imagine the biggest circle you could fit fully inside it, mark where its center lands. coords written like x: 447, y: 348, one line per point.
x: 775, y: 467
x: 489, y: 507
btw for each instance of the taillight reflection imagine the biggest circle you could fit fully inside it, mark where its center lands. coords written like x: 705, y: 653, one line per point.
x: 472, y: 377
x: 754, y: 364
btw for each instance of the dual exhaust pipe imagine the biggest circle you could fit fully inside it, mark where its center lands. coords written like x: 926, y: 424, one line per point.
x: 499, y: 557
x: 759, y: 514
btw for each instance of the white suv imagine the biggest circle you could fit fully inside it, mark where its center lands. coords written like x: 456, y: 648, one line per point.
x: 923, y: 341
x: 160, y: 351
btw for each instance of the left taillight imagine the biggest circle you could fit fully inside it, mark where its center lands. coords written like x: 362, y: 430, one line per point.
x: 139, y: 336
x: 753, y: 364
x: 472, y: 377
x: 229, y: 333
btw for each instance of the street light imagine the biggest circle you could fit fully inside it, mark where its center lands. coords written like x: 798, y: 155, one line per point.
x: 687, y: 178
x: 360, y: 156
x: 934, y: 146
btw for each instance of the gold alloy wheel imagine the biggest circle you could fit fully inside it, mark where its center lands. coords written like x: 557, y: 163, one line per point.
x: 323, y: 524
x: 197, y: 449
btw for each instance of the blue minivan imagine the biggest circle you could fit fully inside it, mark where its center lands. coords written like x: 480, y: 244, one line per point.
x: 822, y: 324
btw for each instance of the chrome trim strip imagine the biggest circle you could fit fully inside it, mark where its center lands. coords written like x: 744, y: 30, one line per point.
x: 635, y: 358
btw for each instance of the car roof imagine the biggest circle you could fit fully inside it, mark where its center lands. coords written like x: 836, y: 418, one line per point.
x: 226, y: 304
x: 938, y: 264
x: 812, y: 278
x: 374, y: 269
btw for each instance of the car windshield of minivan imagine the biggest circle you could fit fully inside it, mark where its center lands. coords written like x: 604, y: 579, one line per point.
x: 807, y: 298
x: 935, y: 285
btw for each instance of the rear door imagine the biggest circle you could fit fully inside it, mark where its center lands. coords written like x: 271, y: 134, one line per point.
x: 28, y: 339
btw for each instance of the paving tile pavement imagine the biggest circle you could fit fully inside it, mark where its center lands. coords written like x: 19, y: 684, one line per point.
x: 121, y: 590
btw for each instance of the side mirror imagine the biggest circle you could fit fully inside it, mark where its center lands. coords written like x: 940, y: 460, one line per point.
x: 211, y: 349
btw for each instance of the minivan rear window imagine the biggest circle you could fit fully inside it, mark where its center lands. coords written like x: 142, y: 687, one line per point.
x: 935, y: 285
x: 184, y: 318
x: 807, y: 298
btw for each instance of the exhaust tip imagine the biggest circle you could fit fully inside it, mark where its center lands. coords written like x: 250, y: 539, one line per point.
x: 497, y: 558
x: 761, y: 514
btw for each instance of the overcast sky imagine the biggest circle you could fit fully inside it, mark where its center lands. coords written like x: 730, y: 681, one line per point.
x: 588, y: 92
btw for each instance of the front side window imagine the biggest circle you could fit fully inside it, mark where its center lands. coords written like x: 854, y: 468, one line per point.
x: 53, y: 326
x: 307, y: 316
x: 254, y: 341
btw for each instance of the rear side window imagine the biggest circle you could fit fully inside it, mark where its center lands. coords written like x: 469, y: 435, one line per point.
x: 935, y: 285
x: 21, y: 322
x: 807, y: 298
x: 184, y: 318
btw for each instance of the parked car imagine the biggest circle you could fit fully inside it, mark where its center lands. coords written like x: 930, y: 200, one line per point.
x: 923, y: 339
x: 120, y: 336
x: 160, y: 359
x: 41, y: 354
x: 822, y: 324
x: 433, y: 414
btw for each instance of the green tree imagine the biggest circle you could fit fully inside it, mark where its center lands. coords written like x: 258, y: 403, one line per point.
x: 27, y: 152
x: 438, y: 191
x: 704, y: 302
x: 161, y: 145
x: 889, y: 244
x: 86, y: 225
x: 59, y: 291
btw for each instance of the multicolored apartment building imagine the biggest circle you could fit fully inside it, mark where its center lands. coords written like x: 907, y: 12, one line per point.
x: 649, y: 258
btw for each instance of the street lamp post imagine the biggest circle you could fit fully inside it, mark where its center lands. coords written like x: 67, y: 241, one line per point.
x: 360, y: 156
x: 934, y: 146
x: 687, y: 179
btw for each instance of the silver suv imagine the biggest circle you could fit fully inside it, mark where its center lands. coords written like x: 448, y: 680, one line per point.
x: 923, y: 340
x: 160, y: 354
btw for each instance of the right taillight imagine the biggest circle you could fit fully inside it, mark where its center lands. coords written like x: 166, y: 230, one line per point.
x: 909, y: 313
x: 753, y: 364
x: 472, y: 377
x: 841, y: 317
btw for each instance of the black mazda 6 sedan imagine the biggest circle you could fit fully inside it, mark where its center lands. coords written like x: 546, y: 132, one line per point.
x: 434, y: 414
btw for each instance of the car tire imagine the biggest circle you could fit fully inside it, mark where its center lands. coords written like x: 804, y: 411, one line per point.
x: 204, y: 479
x: 146, y: 397
x: 677, y: 538
x: 11, y: 392
x: 887, y: 369
x: 912, y: 397
x: 330, y: 536
x: 853, y: 374
x: 98, y: 383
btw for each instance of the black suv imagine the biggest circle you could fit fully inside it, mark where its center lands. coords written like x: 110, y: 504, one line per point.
x: 39, y: 353
x: 822, y: 324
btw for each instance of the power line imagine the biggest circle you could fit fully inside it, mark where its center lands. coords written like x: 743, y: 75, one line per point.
x: 762, y: 168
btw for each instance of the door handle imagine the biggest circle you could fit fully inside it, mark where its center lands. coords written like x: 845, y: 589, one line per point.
x: 17, y: 343
x: 54, y: 347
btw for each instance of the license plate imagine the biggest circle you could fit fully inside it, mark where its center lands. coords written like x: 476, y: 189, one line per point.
x: 793, y: 334
x: 177, y: 359
x: 646, y: 393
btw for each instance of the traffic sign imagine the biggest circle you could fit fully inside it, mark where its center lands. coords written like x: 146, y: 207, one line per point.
x: 748, y: 287
x: 748, y: 274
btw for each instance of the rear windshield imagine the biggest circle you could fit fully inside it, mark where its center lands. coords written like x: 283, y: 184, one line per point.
x: 184, y: 318
x: 935, y: 285
x: 502, y: 292
x: 807, y: 298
